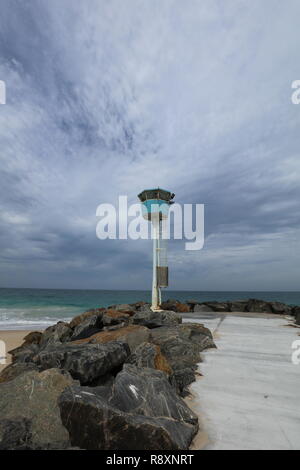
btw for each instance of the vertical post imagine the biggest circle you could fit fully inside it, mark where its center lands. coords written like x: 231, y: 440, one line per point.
x: 155, y: 289
x: 159, y: 234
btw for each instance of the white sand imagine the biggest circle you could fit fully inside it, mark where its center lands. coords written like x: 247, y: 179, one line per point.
x: 249, y: 396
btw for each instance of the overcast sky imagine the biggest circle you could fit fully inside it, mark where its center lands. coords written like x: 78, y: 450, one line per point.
x: 111, y: 97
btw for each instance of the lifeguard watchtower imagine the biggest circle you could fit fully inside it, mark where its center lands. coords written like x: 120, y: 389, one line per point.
x: 155, y: 207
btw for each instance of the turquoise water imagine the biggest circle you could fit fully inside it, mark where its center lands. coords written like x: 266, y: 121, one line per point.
x: 38, y: 308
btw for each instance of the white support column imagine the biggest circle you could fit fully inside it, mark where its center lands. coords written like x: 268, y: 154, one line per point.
x: 158, y: 256
x: 155, y: 290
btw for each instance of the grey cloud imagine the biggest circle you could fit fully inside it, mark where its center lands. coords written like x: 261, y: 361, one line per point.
x: 107, y: 98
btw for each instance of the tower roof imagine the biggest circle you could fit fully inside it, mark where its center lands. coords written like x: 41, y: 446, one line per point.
x: 156, y: 193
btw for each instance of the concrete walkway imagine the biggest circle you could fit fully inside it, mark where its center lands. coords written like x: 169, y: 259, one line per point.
x: 249, y: 395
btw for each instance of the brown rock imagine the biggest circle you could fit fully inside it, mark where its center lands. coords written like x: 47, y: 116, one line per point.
x: 34, y: 337
x: 150, y: 355
x: 116, y: 314
x: 182, y: 308
x: 161, y: 362
x: 133, y: 335
x: 83, y: 316
x: 124, y: 308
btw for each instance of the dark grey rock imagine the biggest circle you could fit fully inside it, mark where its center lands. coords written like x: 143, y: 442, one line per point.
x: 15, y: 434
x: 144, y: 308
x: 114, y: 317
x: 156, y: 319
x: 149, y: 355
x: 238, y: 305
x: 104, y: 383
x: 296, y: 312
x: 85, y: 362
x: 182, y: 344
x: 202, y: 308
x: 29, y: 347
x: 218, y: 306
x: 33, y: 396
x: 24, y: 353
x: 87, y: 327
x: 94, y: 424
x: 170, y: 304
x: 59, y: 333
x: 138, y: 306
x: 260, y: 306
x: 182, y: 378
x: 280, y: 308
x: 123, y: 308
x: 147, y: 392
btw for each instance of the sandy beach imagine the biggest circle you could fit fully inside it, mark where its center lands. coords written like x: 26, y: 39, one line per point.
x: 12, y: 339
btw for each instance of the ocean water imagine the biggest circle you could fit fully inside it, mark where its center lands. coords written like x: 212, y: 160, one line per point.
x: 39, y: 308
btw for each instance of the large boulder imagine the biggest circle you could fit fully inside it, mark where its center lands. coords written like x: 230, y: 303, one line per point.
x: 238, y: 305
x: 260, y: 306
x: 59, y: 333
x: 156, y: 319
x: 218, y: 306
x: 181, y: 378
x: 83, y: 316
x: 202, y: 308
x: 133, y: 335
x: 114, y: 317
x: 16, y: 434
x: 95, y: 424
x: 296, y: 312
x: 182, y: 308
x: 181, y: 345
x: 85, y: 362
x: 145, y: 307
x: 28, y: 348
x: 34, y: 337
x: 175, y: 306
x: 147, y: 392
x: 33, y: 396
x: 138, y: 305
x: 87, y: 327
x: 169, y: 304
x: 149, y: 355
x: 280, y: 308
x: 128, y: 309
x: 15, y: 369
x: 24, y: 353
